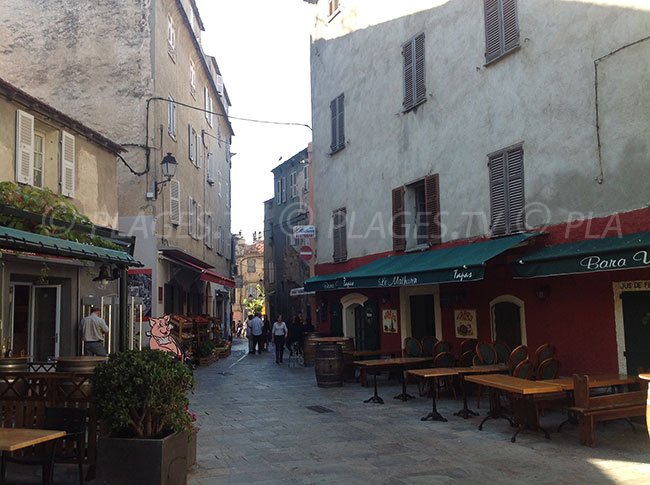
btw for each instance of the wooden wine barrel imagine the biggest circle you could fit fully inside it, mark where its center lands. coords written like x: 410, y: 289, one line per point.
x: 79, y: 364
x: 328, y: 365
x: 309, y: 348
x: 346, y: 343
x: 647, y: 405
x: 9, y: 386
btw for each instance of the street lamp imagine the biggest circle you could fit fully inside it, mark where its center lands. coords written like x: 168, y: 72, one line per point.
x: 168, y: 168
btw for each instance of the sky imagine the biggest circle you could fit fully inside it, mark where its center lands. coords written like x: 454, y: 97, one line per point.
x: 262, y: 48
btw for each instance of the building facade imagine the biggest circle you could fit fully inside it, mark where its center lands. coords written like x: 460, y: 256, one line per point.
x: 492, y: 130
x: 285, y: 269
x: 250, y: 268
x: 137, y: 71
x: 58, y: 177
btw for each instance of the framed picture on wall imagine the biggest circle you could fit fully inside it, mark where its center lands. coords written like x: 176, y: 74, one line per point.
x: 465, y: 323
x: 389, y: 321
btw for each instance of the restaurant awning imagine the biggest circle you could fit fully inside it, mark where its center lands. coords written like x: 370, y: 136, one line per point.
x: 24, y: 241
x: 587, y: 256
x: 453, y: 264
x: 211, y: 276
x: 180, y: 257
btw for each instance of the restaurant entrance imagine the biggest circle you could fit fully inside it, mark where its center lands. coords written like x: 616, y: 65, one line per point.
x: 423, y: 320
x: 636, y: 320
x: 506, y: 321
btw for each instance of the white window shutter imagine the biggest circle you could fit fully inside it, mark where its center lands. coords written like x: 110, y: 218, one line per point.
x: 191, y: 136
x: 199, y: 222
x: 67, y: 164
x: 191, y: 222
x: 24, y: 148
x: 175, y: 202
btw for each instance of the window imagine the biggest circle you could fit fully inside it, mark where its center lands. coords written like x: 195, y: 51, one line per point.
x: 171, y: 38
x: 192, y: 144
x: 171, y: 117
x: 278, y: 191
x: 416, y: 213
x: 305, y: 176
x: 414, y: 82
x: 198, y: 223
x: 175, y: 202
x: 207, y: 105
x: 339, y: 235
x: 507, y: 212
x: 332, y: 8
x: 68, y: 162
x: 191, y: 220
x: 293, y: 186
x: 250, y: 265
x: 192, y: 78
x: 39, y: 146
x: 338, y: 126
x: 501, y: 28
x: 210, y: 168
x: 208, y: 237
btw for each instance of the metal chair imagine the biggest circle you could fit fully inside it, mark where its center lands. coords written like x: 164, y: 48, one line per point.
x: 519, y: 354
x: 466, y: 359
x: 441, y: 347
x: 71, y: 447
x: 428, y: 343
x: 503, y: 351
x: 444, y: 359
x: 467, y: 345
x: 487, y: 353
x: 412, y: 347
x: 523, y: 370
x: 547, y: 369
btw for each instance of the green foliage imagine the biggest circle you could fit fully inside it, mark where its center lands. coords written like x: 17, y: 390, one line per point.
x: 256, y: 304
x: 52, y: 207
x: 143, y: 393
x: 205, y: 349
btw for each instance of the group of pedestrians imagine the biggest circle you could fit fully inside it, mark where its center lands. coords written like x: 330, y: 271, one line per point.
x: 260, y: 332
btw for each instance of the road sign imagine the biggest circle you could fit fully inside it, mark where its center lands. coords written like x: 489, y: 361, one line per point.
x: 306, y: 253
x: 305, y: 232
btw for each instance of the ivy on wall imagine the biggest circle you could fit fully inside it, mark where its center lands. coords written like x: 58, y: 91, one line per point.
x: 51, y: 207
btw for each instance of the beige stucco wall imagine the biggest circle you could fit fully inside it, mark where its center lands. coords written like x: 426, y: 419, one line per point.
x: 543, y: 95
x: 95, y: 166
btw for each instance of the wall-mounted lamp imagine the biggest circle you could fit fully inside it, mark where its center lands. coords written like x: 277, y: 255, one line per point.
x: 542, y: 292
x: 106, y: 274
x: 168, y: 169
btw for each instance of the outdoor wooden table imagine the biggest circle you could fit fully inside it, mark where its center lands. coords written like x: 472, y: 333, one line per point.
x: 524, y: 409
x: 432, y: 373
x: 12, y: 439
x: 476, y: 369
x: 359, y: 354
x: 399, y: 363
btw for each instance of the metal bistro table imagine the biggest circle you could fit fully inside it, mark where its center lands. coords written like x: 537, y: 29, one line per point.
x: 12, y: 439
x: 432, y: 373
x: 399, y: 363
x: 476, y: 369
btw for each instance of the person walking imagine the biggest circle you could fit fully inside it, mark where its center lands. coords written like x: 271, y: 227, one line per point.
x: 266, y: 333
x: 295, y: 335
x: 93, y: 330
x: 280, y: 333
x: 255, y: 327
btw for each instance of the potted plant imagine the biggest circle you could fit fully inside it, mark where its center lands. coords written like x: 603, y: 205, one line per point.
x: 141, y: 399
x: 206, y: 353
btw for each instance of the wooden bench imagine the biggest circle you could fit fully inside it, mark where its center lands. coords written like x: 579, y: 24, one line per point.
x: 593, y: 409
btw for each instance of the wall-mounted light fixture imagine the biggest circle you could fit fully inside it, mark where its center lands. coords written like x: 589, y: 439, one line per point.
x: 168, y: 169
x: 542, y: 292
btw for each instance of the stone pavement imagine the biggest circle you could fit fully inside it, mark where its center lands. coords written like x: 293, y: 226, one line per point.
x: 256, y: 427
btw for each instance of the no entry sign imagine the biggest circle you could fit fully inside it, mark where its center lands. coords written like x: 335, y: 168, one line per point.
x: 306, y: 253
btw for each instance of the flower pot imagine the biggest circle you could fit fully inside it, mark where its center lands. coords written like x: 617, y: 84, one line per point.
x: 646, y: 377
x: 151, y: 461
x: 191, y: 448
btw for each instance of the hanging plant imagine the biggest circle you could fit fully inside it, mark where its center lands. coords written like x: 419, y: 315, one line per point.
x: 52, y: 207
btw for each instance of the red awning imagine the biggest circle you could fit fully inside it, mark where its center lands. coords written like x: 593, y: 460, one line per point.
x: 211, y: 276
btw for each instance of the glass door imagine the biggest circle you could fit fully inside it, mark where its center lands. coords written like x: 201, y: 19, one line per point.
x: 18, y: 338
x: 46, y: 321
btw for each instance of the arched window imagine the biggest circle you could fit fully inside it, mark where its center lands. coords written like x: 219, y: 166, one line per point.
x: 508, y: 320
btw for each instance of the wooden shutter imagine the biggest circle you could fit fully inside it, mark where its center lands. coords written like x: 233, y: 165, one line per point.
x: 191, y: 223
x: 340, y: 123
x: 510, y: 25
x: 284, y: 189
x: 516, y: 200
x: 418, y: 73
x: 24, y: 148
x: 278, y: 191
x: 492, y: 30
x: 339, y: 235
x: 399, y: 232
x: 175, y: 202
x: 407, y: 54
x: 498, y: 195
x: 190, y: 141
x: 67, y: 164
x: 432, y: 202
x: 199, y: 222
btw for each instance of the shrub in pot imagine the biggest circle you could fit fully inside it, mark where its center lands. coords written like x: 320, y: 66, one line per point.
x: 141, y: 398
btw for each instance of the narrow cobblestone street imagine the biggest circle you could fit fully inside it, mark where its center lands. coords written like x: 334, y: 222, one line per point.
x: 256, y: 427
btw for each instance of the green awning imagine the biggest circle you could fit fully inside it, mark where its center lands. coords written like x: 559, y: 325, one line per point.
x: 30, y: 242
x: 587, y: 256
x: 454, y: 264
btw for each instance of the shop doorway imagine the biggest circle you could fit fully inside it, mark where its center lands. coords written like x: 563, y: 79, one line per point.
x: 423, y: 320
x: 366, y: 326
x: 508, y: 323
x: 35, y: 321
x: 636, y: 322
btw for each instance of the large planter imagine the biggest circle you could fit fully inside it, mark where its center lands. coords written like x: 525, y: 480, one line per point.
x: 10, y: 386
x: 131, y: 460
x: 646, y: 377
x: 191, y: 448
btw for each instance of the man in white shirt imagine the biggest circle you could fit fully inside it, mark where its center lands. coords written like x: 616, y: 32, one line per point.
x: 255, y: 325
x: 93, y: 330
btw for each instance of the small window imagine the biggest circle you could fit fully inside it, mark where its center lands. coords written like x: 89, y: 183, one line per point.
x: 416, y: 214
x: 210, y: 167
x: 414, y: 79
x: 278, y: 191
x: 39, y: 147
x: 171, y: 117
x: 501, y: 28
x: 293, y: 186
x: 209, y: 234
x: 191, y: 219
x: 332, y: 8
x: 192, y: 78
x: 171, y: 38
x: 207, y: 106
x: 339, y: 235
x: 191, y: 142
x: 284, y: 189
x: 250, y: 265
x: 507, y: 201
x: 338, y: 124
